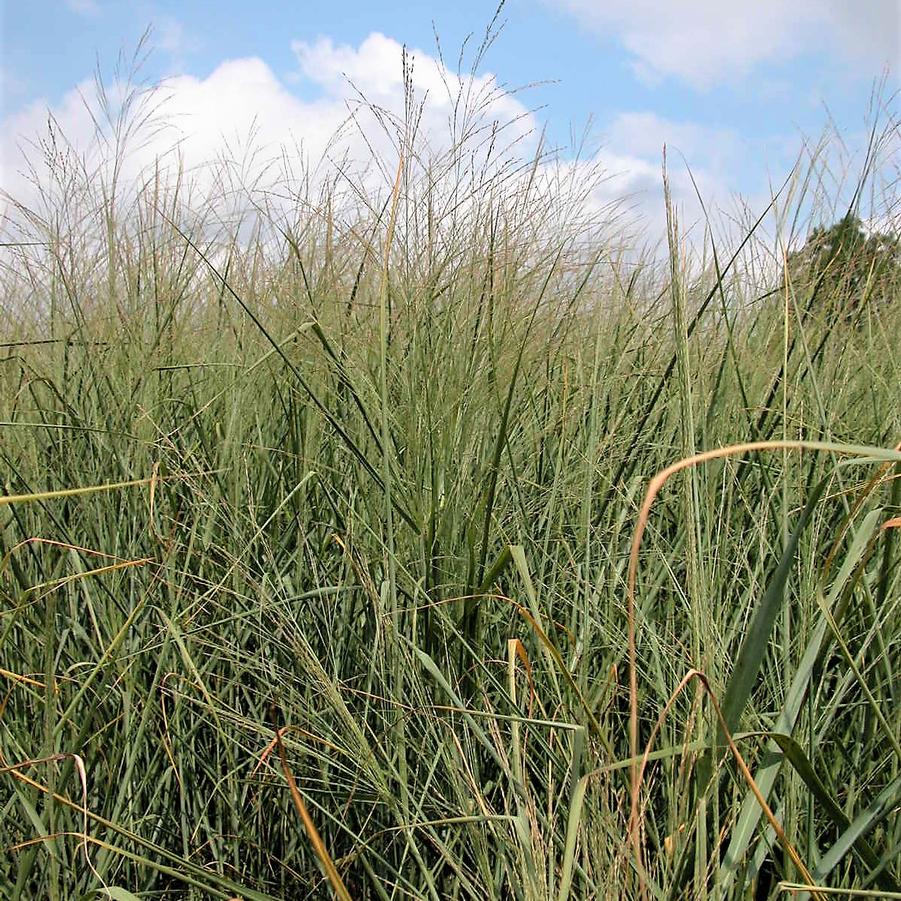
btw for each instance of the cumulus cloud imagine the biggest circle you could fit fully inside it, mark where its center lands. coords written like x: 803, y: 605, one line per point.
x: 700, y: 159
x: 84, y: 7
x: 170, y: 36
x: 244, y: 117
x: 11, y: 87
x: 704, y: 41
x: 645, y: 133
x: 344, y: 74
x: 242, y: 106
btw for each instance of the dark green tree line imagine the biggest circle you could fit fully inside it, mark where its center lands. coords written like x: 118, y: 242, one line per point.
x: 848, y: 266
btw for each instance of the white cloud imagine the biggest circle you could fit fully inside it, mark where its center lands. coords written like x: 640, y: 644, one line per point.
x: 242, y: 131
x: 373, y: 67
x: 84, y: 7
x: 11, y: 86
x: 707, y: 41
x: 700, y: 159
x: 645, y: 133
x: 374, y: 70
x: 243, y: 99
x: 243, y: 105
x: 170, y: 36
x: 225, y: 129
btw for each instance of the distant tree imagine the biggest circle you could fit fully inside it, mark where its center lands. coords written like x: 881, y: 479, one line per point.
x: 848, y: 268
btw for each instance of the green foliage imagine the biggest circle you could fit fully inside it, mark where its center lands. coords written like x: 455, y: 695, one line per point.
x: 849, y: 265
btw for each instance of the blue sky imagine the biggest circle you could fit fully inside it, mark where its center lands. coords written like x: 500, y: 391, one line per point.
x: 732, y: 87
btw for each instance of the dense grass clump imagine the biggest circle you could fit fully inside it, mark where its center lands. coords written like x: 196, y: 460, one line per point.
x: 316, y: 536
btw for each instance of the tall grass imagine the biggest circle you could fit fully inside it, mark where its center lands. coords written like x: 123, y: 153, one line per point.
x: 344, y: 602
